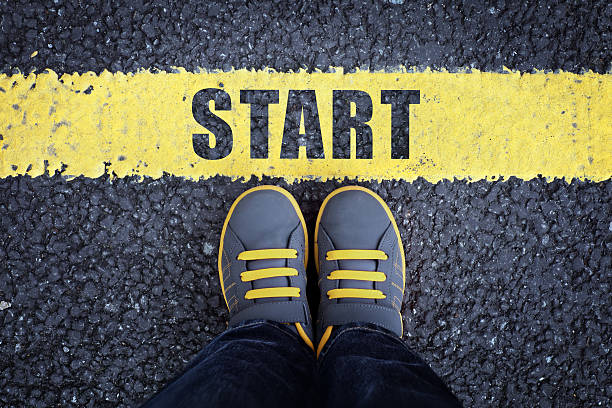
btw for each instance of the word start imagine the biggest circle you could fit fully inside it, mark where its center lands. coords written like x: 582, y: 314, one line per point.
x: 352, y: 109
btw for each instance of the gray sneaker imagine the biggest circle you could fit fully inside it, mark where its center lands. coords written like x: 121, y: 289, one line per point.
x: 262, y: 260
x: 360, y: 262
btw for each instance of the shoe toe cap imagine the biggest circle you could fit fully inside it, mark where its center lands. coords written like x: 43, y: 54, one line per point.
x: 264, y: 219
x: 355, y: 219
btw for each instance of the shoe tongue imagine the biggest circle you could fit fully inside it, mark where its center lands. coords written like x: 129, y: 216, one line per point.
x: 368, y: 265
x: 357, y: 265
x: 265, y: 263
x: 268, y: 282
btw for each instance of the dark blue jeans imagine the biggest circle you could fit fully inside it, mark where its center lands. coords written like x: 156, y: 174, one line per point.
x: 266, y: 364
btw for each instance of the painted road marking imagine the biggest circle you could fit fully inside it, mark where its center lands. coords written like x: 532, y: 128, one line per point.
x: 466, y: 125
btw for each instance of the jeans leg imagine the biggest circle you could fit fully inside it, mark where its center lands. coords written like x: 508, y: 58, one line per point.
x: 256, y: 364
x: 363, y: 365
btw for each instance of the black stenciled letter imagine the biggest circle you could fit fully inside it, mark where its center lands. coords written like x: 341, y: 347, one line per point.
x: 216, y: 125
x: 298, y: 102
x: 343, y: 122
x: 259, y: 100
x: 400, y: 101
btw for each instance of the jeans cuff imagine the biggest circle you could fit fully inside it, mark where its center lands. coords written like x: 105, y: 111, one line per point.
x: 346, y: 329
x: 283, y: 327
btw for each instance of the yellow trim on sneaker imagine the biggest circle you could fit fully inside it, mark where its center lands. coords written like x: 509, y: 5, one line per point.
x: 272, y: 292
x: 324, y: 339
x: 391, y: 218
x: 226, y: 223
x: 248, y: 276
x: 257, y: 254
x: 355, y: 293
x: 344, y: 254
x: 229, y: 215
x: 304, y: 336
x: 357, y: 275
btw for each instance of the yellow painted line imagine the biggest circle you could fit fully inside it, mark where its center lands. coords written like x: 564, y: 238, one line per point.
x: 466, y: 125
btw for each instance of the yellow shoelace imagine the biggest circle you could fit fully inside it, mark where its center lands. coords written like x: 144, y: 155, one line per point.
x: 260, y: 254
x: 353, y: 254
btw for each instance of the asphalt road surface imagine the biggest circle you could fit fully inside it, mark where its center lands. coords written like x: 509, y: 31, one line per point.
x: 108, y: 288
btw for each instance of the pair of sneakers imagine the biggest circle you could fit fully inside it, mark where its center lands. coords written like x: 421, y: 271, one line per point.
x: 358, y: 256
